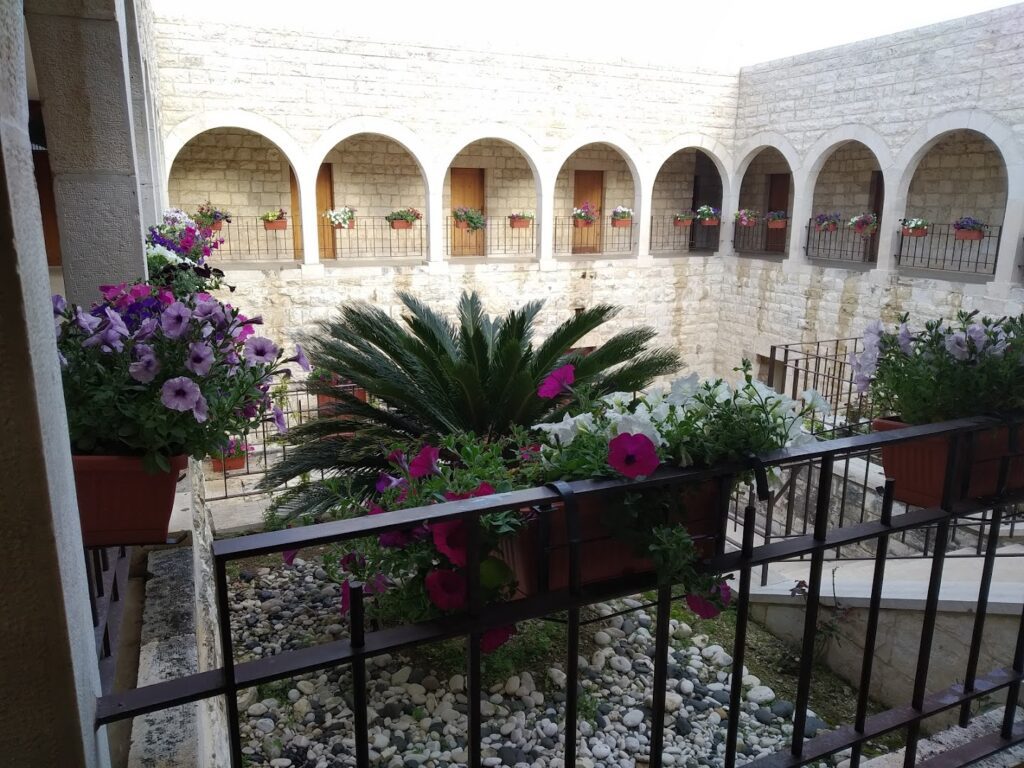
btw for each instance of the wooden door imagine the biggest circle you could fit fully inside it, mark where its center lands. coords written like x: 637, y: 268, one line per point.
x: 876, y: 199
x: 47, y: 207
x: 467, y: 192
x: 294, y: 215
x: 588, y: 187
x: 325, y: 201
x: 778, y: 200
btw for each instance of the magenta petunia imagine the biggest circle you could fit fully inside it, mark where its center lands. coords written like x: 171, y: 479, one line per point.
x: 346, y: 598
x: 389, y: 539
x: 446, y: 589
x: 425, y: 462
x: 495, y: 637
x: 701, y: 606
x: 450, y: 540
x: 632, y: 455
x: 289, y: 556
x: 557, y: 382
x: 180, y: 394
x: 386, y: 482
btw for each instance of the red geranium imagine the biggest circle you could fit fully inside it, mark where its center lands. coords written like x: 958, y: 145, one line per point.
x: 446, y: 589
x: 558, y: 381
x: 632, y: 455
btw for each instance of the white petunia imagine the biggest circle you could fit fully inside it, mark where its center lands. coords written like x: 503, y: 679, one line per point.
x: 683, y: 390
x: 562, y: 432
x: 618, y: 401
x: 637, y: 424
x: 816, y: 402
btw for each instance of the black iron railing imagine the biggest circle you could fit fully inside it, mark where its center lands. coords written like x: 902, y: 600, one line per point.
x: 107, y: 569
x: 671, y: 237
x: 759, y: 238
x: 498, y: 238
x: 371, y: 237
x: 601, y: 237
x: 843, y: 243
x: 822, y: 537
x: 246, y: 238
x: 941, y: 249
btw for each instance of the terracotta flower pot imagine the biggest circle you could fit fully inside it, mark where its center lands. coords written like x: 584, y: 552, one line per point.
x: 581, y: 223
x: 622, y: 223
x: 682, y: 223
x: 968, y: 234
x: 401, y: 224
x: 747, y: 223
x: 461, y: 224
x: 217, y: 226
x: 518, y: 223
x: 119, y: 503
x: 709, y: 222
x: 918, y: 232
x: 350, y: 225
x: 276, y: 225
x: 830, y: 227
x: 602, y: 554
x: 228, y: 464
x: 777, y: 224
x: 919, y: 467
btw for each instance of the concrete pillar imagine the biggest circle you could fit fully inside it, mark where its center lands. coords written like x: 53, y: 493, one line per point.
x: 82, y: 69
x: 545, y: 222
x: 308, y: 215
x: 47, y: 650
x: 642, y: 215
x: 435, y: 213
x: 803, y: 199
x: 149, y: 205
x: 1013, y: 227
x: 893, y: 209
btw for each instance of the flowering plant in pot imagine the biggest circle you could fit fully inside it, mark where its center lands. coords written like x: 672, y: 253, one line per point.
x: 776, y: 219
x: 945, y: 370
x: 585, y: 215
x: 469, y: 218
x: 708, y: 215
x: 746, y: 217
x: 864, y: 224
x: 622, y: 216
x: 231, y: 456
x: 403, y: 218
x: 969, y: 228
x: 826, y: 222
x: 683, y: 218
x: 177, y: 250
x: 341, y: 218
x: 149, y: 379
x: 275, y: 220
x: 211, y: 216
x: 520, y: 220
x: 915, y: 227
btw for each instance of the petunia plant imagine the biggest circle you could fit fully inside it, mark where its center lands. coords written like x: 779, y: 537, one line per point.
x: 178, y: 248
x: 147, y: 373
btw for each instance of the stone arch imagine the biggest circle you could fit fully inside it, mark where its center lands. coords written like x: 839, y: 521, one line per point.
x: 692, y: 173
x: 389, y: 129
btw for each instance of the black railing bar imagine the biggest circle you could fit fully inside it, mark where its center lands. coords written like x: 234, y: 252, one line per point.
x: 661, y: 649
x: 740, y: 643
x: 882, y: 723
x: 163, y: 695
x: 357, y: 631
x: 976, y: 749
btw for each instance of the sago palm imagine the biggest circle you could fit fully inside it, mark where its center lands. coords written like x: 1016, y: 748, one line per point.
x: 427, y: 376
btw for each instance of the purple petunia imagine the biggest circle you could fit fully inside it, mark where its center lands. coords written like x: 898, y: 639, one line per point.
x: 301, y: 359
x: 146, y: 329
x: 259, y: 349
x: 174, y: 320
x: 976, y: 333
x: 59, y: 304
x: 146, y: 367
x: 209, y: 310
x: 87, y: 323
x: 180, y: 394
x: 956, y: 345
x: 279, y: 420
x: 200, y: 358
x: 200, y: 409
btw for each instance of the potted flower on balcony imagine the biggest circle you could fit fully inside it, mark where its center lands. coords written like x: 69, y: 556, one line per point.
x: 177, y: 251
x: 915, y: 227
x: 708, y: 215
x: 776, y: 219
x: 275, y: 220
x: 403, y: 218
x: 622, y: 216
x: 231, y: 457
x: 969, y: 228
x: 864, y: 224
x: 520, y: 220
x: 683, y: 219
x: 472, y: 219
x: 148, y: 380
x: 341, y: 218
x: 946, y: 370
x: 212, y: 217
x: 826, y: 222
x: 584, y: 216
x: 747, y: 217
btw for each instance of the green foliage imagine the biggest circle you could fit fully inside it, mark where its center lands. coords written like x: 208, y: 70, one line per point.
x: 472, y: 216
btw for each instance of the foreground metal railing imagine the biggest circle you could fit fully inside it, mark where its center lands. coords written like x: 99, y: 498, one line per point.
x: 823, y: 537
x: 760, y: 238
x: 107, y: 569
x: 940, y: 247
x: 840, y: 243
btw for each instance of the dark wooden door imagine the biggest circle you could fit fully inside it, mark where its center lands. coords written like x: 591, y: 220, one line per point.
x: 876, y: 199
x: 778, y: 200
x: 588, y: 187
x: 325, y: 201
x: 467, y: 192
x: 295, y: 215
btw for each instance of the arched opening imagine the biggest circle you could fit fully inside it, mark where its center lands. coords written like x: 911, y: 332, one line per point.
x: 955, y: 206
x: 761, y: 224
x: 244, y: 174
x: 594, y: 189
x: 849, y: 193
x: 689, y: 180
x: 370, y: 200
x: 490, y: 196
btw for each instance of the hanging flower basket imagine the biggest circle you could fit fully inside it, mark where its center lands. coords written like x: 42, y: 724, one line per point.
x: 350, y: 225
x: 582, y: 223
x: 682, y: 223
x: 968, y: 234
x: 278, y: 224
x: 228, y: 464
x: 620, y: 223
x: 461, y: 224
x: 121, y: 504
x: 919, y: 467
x: 777, y: 224
x: 917, y: 232
x: 709, y: 222
x: 518, y: 223
x: 401, y: 224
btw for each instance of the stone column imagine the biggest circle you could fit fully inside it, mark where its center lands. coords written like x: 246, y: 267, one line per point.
x: 1013, y: 227
x: 308, y: 215
x: 82, y: 69
x: 545, y: 221
x: 803, y: 199
x: 149, y: 206
x: 643, y: 206
x: 47, y: 650
x: 435, y: 218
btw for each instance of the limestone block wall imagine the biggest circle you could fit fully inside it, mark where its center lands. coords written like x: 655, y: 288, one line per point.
x: 618, y: 179
x: 375, y: 175
x: 673, y: 186
x: 844, y: 182
x: 509, y: 185
x: 754, y: 188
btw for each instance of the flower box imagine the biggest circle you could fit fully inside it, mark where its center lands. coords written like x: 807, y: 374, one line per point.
x: 120, y: 504
x: 919, y: 467
x: 777, y: 224
x: 918, y: 232
x: 229, y: 464
x: 709, y: 222
x: 518, y: 223
x: 620, y: 223
x: 682, y: 223
x: 602, y: 555
x: 581, y: 223
x: 968, y: 234
x: 747, y: 223
x: 217, y: 226
x: 401, y: 224
x: 278, y: 224
x: 350, y: 225
x: 461, y: 224
x: 830, y: 227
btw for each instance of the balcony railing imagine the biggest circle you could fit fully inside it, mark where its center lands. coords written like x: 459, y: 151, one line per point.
x: 759, y: 238
x: 497, y: 238
x: 823, y: 535
x: 843, y: 243
x: 939, y: 249
x: 371, y: 237
x: 601, y: 237
x: 667, y: 238
x: 247, y: 239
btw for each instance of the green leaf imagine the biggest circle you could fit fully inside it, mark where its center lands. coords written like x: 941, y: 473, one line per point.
x: 495, y: 574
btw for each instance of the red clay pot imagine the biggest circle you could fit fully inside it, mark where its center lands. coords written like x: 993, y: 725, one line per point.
x: 518, y: 223
x: 622, y: 223
x: 217, y: 226
x: 276, y: 225
x: 777, y: 224
x: 401, y: 224
x: 119, y: 503
x: 351, y: 225
x: 461, y: 224
x: 581, y: 223
x: 682, y: 223
x: 919, y: 232
x: 968, y: 234
x: 709, y: 222
x: 602, y: 555
x: 228, y: 464
x: 919, y: 467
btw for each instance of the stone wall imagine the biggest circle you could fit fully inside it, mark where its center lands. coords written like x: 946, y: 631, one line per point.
x: 754, y: 187
x: 509, y: 186
x: 844, y: 182
x: 673, y: 187
x: 618, y: 179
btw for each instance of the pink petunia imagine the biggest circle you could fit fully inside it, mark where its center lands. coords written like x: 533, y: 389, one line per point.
x: 450, y: 540
x: 494, y: 638
x: 289, y: 556
x: 557, y: 382
x: 701, y: 606
x: 425, y: 462
x: 390, y: 539
x: 632, y: 455
x: 484, y: 489
x: 446, y: 589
